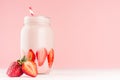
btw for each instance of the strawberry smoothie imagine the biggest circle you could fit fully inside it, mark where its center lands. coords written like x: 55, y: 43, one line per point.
x: 37, y: 41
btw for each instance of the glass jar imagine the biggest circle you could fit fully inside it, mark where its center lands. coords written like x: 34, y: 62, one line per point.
x: 37, y: 37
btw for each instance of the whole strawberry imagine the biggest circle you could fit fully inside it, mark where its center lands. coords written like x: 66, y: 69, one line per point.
x: 14, y: 70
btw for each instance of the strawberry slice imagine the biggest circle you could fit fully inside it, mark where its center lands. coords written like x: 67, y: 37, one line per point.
x: 41, y: 56
x: 50, y: 57
x: 31, y: 55
x: 30, y: 68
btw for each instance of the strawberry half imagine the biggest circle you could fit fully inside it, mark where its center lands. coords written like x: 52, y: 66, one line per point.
x: 31, y: 55
x: 30, y: 68
x: 50, y: 57
x: 41, y: 56
x: 14, y: 70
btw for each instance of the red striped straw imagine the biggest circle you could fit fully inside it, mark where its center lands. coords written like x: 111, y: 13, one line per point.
x: 31, y: 11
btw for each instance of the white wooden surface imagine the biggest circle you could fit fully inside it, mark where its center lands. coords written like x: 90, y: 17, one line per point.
x: 69, y: 75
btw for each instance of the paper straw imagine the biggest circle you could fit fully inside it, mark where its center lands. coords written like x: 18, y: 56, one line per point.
x: 31, y: 11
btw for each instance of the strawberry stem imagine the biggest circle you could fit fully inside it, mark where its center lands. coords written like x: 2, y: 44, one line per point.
x: 24, y: 59
x: 21, y: 61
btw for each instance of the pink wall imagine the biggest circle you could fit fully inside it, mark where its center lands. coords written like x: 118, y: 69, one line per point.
x: 87, y: 32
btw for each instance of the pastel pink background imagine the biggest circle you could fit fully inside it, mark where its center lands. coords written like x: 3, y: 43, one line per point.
x: 87, y: 32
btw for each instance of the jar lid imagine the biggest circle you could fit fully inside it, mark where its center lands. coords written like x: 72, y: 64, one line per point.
x: 38, y: 19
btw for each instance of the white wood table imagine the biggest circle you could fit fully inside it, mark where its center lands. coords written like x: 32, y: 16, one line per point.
x: 76, y: 74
